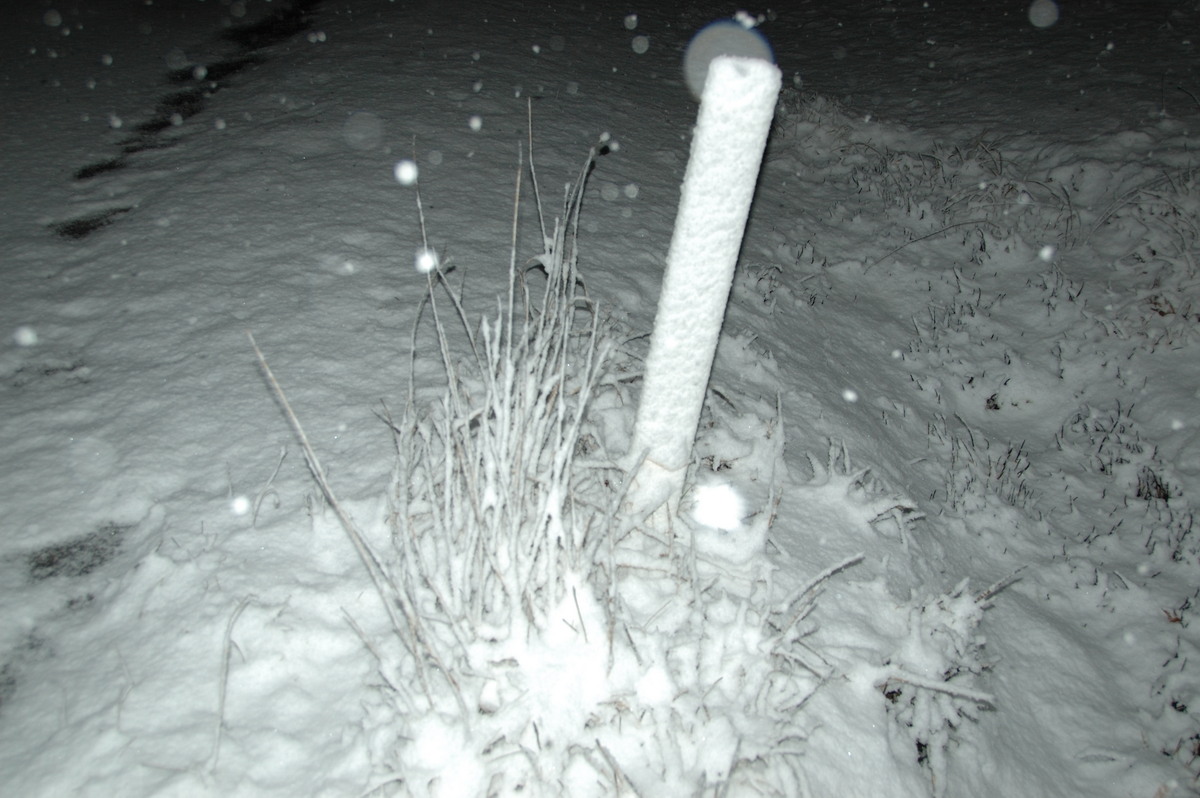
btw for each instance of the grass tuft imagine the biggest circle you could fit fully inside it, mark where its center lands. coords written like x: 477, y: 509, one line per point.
x: 546, y: 637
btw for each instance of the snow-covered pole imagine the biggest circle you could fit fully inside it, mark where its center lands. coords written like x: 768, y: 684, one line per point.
x: 736, y: 108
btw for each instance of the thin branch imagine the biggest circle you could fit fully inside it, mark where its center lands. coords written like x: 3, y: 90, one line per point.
x: 927, y: 235
x: 223, y: 683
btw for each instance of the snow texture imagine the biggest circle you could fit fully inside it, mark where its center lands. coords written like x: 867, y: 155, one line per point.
x: 967, y: 292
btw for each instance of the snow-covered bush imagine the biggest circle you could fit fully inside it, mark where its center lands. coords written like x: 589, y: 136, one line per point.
x: 930, y: 682
x: 546, y: 640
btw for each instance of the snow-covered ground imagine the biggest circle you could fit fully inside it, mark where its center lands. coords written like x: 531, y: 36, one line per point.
x: 969, y: 281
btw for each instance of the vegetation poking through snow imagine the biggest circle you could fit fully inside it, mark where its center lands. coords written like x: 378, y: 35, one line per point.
x: 930, y: 682
x: 549, y: 640
x: 1001, y: 326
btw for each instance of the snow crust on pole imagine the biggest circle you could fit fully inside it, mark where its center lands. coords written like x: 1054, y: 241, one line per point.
x: 736, y: 109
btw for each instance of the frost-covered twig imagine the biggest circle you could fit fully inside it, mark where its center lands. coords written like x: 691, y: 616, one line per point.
x: 949, y: 688
x: 803, y: 599
x: 984, y: 596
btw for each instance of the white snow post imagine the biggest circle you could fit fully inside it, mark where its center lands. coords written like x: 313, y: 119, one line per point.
x: 736, y: 109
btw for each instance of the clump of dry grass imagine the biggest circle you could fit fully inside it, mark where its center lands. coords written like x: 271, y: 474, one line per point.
x: 544, y: 634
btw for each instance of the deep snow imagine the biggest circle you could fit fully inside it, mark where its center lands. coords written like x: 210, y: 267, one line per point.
x: 971, y: 268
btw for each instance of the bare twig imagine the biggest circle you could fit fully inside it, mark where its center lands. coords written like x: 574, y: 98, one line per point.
x: 875, y: 263
x: 223, y: 683
x: 411, y: 631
